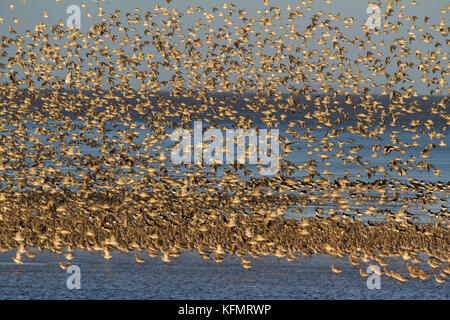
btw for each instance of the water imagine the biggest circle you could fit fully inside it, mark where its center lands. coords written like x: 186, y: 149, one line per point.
x: 190, y: 277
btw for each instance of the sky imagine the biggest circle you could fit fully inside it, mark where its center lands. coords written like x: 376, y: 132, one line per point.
x: 32, y: 12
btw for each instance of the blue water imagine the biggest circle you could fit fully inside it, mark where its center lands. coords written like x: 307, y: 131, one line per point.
x: 190, y: 277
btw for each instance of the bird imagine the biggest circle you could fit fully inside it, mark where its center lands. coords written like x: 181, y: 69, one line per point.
x: 165, y: 257
x: 335, y: 269
x: 438, y: 279
x: 106, y: 253
x: 69, y: 256
x: 18, y: 259
x: 139, y: 259
x: 363, y: 273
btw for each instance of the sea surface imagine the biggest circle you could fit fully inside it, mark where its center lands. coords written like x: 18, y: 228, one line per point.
x: 190, y: 277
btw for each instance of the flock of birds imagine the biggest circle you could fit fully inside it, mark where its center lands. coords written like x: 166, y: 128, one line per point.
x: 85, y: 118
